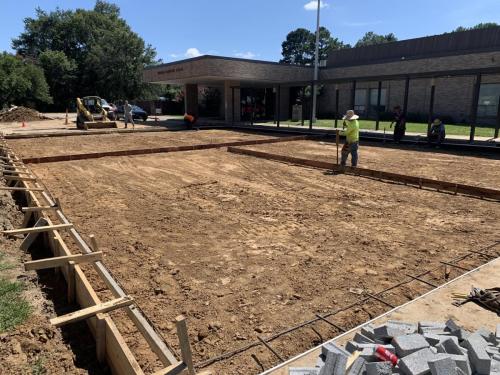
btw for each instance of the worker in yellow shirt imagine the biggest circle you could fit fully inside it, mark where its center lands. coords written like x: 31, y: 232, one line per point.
x: 352, y: 138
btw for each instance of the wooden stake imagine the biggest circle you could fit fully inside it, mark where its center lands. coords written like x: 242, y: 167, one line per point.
x: 186, y: 354
x: 60, y: 261
x: 176, y: 368
x: 70, y: 281
x: 100, y: 337
x: 39, y: 208
x: 20, y: 189
x: 37, y: 229
x: 27, y: 218
x: 18, y: 178
x: 93, y: 243
x: 31, y: 237
x: 91, y: 311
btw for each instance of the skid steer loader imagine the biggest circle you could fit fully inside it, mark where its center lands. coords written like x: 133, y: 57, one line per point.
x: 91, y: 115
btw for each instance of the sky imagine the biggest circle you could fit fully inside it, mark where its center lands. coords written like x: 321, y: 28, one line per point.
x: 255, y: 29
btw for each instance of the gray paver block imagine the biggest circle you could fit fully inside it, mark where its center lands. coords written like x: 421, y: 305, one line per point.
x: 303, y: 371
x: 367, y: 331
x: 449, y: 346
x: 335, y: 364
x: 409, y: 328
x: 435, y: 330
x: 389, y: 347
x: 462, y: 362
x: 331, y: 347
x: 487, y: 335
x: 479, y: 359
x: 495, y: 365
x: 362, y: 339
x: 434, y: 339
x: 379, y: 368
x: 431, y: 327
x: 358, y: 367
x: 416, y: 362
x: 407, y: 344
x: 451, y: 325
x: 456, y: 330
x: 443, y: 366
x: 351, y: 346
x: 492, y: 350
x: 320, y: 362
x: 368, y: 354
x: 394, y: 328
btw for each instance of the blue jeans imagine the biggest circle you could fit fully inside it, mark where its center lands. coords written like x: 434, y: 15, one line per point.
x: 350, y: 148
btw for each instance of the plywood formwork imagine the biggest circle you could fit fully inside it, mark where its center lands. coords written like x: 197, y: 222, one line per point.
x: 111, y: 346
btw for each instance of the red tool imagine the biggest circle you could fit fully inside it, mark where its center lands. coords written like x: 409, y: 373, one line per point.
x: 385, y: 355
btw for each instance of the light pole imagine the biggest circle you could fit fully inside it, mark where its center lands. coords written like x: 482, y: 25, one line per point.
x: 316, y: 65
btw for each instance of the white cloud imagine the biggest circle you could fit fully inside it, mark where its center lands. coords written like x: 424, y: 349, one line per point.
x: 313, y: 5
x: 192, y: 52
x: 245, y: 55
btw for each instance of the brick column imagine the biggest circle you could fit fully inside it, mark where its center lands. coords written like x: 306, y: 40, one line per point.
x: 191, y: 99
x: 230, y: 88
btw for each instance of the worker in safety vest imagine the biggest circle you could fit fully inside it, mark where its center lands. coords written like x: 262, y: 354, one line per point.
x: 352, y: 138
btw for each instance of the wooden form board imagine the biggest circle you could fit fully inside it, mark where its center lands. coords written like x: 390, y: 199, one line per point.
x: 91, y: 311
x: 62, y: 261
x: 95, y: 155
x: 110, y: 342
x: 38, y: 229
x: 118, y: 355
x: 444, y: 186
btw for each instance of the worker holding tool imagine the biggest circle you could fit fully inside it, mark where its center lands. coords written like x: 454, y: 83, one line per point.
x: 400, y: 124
x: 352, y: 138
x: 127, y: 112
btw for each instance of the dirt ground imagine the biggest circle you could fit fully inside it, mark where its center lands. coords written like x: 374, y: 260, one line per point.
x: 421, y: 161
x: 98, y: 143
x: 246, y: 247
x: 35, y: 346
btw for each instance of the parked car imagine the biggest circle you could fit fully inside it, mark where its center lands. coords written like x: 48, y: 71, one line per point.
x: 137, y: 113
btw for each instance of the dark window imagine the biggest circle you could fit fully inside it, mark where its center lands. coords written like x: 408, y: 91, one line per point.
x: 374, y: 97
x: 488, y: 100
x: 360, y: 100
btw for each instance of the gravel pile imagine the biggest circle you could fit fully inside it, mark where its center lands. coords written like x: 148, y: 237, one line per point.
x: 411, y: 349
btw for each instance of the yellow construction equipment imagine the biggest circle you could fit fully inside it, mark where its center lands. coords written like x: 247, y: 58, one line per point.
x: 91, y: 114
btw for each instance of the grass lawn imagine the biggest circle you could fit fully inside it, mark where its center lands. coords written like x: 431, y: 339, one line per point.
x: 464, y: 130
x: 14, y: 309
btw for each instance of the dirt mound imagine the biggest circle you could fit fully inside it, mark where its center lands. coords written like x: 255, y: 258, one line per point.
x: 20, y: 114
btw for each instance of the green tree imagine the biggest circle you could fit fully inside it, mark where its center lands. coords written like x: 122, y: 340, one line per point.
x: 108, y: 56
x: 371, y: 38
x: 299, y: 46
x: 482, y: 25
x: 22, y: 82
x: 60, y: 73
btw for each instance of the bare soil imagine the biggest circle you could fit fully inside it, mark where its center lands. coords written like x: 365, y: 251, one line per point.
x: 98, y: 143
x: 35, y: 346
x: 246, y: 247
x: 469, y: 168
x: 20, y: 114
